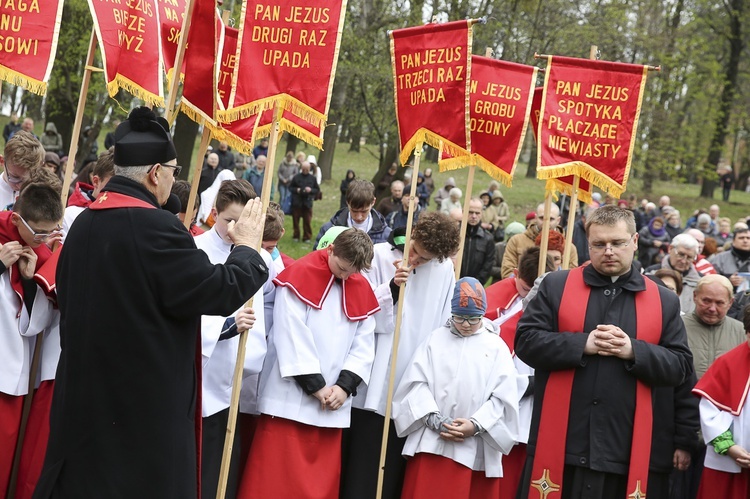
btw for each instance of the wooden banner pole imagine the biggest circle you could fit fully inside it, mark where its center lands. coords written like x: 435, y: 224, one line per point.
x: 571, y: 223
x: 545, y: 234
x: 73, y: 150
x: 179, y: 57
x: 464, y: 222
x: 197, y: 169
x: 234, y: 405
x: 399, y: 314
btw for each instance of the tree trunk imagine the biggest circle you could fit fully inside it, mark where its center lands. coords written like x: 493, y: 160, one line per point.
x: 355, y: 134
x: 531, y: 170
x: 330, y: 135
x: 292, y: 143
x: 736, y: 45
x: 185, y: 134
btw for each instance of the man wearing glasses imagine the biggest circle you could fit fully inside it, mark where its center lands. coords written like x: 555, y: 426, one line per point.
x: 681, y: 257
x: 608, y: 347
x: 131, y: 289
x: 22, y: 152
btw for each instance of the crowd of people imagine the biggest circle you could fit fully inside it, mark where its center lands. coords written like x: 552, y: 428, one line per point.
x: 626, y: 376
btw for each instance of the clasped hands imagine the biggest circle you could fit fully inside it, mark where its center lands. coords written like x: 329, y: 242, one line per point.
x: 740, y: 456
x: 331, y: 397
x: 458, y: 430
x: 609, y: 340
x: 13, y: 252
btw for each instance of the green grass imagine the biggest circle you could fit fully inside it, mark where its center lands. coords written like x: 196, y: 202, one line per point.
x: 522, y: 197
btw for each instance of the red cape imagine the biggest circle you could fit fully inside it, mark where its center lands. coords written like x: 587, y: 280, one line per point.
x: 500, y: 296
x: 311, y: 280
x: 727, y: 381
x: 79, y: 197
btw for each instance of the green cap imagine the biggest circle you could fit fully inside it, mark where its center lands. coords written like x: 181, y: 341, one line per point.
x: 330, y: 235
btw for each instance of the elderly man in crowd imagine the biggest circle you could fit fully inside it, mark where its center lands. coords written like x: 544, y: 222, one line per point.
x: 735, y: 261
x: 681, y: 256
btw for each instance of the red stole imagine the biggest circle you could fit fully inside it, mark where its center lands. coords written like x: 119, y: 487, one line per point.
x: 727, y: 381
x: 9, y: 232
x: 549, y: 461
x: 311, y: 280
x: 108, y: 200
x: 78, y: 198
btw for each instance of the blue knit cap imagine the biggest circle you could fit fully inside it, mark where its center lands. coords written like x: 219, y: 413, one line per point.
x: 469, y: 299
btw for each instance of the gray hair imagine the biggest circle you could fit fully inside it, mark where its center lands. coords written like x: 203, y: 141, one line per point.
x: 455, y: 192
x: 135, y: 173
x: 685, y: 241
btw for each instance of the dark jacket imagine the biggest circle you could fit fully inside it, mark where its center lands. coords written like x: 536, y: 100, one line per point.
x: 379, y: 231
x: 300, y: 198
x: 208, y: 175
x: 122, y: 423
x: 10, y: 128
x: 603, y: 395
x: 479, y: 254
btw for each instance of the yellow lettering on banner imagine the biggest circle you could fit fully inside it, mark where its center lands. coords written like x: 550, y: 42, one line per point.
x: 173, y: 3
x: 129, y: 21
x: 502, y: 91
x: 497, y: 109
x: 431, y: 56
x: 171, y: 14
x: 130, y: 42
x: 454, y: 73
x: 140, y: 6
x: 19, y: 46
x: 415, y: 79
x: 229, y: 61
x: 118, y: 2
x: 568, y: 88
x: 267, y: 34
x: 308, y: 15
x: 10, y: 22
x: 608, y: 92
x: 174, y: 35
x: 583, y: 128
x: 267, y: 12
x: 286, y: 58
x: 584, y: 148
x: 426, y: 96
x: 590, y: 109
x: 489, y: 127
x: 22, y: 5
x: 313, y: 37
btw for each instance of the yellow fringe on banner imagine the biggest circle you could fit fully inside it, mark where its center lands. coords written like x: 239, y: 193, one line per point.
x: 285, y: 101
x: 488, y: 167
x: 554, y: 186
x: 288, y: 126
x: 21, y: 80
x: 169, y: 77
x: 586, y: 172
x: 234, y: 141
x: 135, y: 89
x: 430, y: 138
x: 195, y: 114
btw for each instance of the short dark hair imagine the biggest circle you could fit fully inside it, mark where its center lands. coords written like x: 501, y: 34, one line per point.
x: 234, y: 191
x: 676, y: 277
x: 528, y: 265
x: 360, y: 193
x: 437, y: 233
x: 39, y: 202
x: 181, y: 189
x: 355, y: 247
x: 105, y: 165
x: 274, y: 227
x: 746, y: 318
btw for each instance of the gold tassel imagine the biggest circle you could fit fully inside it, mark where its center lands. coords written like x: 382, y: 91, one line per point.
x: 15, y: 78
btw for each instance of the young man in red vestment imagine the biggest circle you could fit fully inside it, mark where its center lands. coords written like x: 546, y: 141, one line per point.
x: 725, y: 421
x: 25, y: 310
x: 320, y: 349
x: 607, y: 347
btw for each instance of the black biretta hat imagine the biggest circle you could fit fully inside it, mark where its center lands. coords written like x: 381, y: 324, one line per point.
x: 143, y: 139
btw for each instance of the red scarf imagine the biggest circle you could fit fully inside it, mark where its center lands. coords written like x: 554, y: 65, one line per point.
x: 9, y: 232
x: 79, y: 196
x: 727, y: 381
x: 311, y: 279
x: 549, y: 461
x: 108, y: 200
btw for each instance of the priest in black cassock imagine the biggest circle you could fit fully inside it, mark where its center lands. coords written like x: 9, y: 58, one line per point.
x: 132, y: 287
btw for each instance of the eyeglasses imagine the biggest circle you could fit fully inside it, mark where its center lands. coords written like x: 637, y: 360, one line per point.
x: 41, y: 236
x: 177, y: 169
x: 614, y: 245
x: 683, y: 256
x: 473, y: 321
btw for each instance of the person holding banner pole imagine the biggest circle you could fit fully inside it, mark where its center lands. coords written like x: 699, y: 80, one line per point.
x: 464, y: 222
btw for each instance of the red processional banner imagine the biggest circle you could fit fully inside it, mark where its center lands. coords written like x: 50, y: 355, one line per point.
x: 286, y: 54
x: 28, y: 42
x: 589, y: 117
x: 171, y: 15
x: 199, y: 88
x: 500, y: 103
x: 564, y: 184
x: 295, y: 125
x: 431, y: 83
x: 130, y: 44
